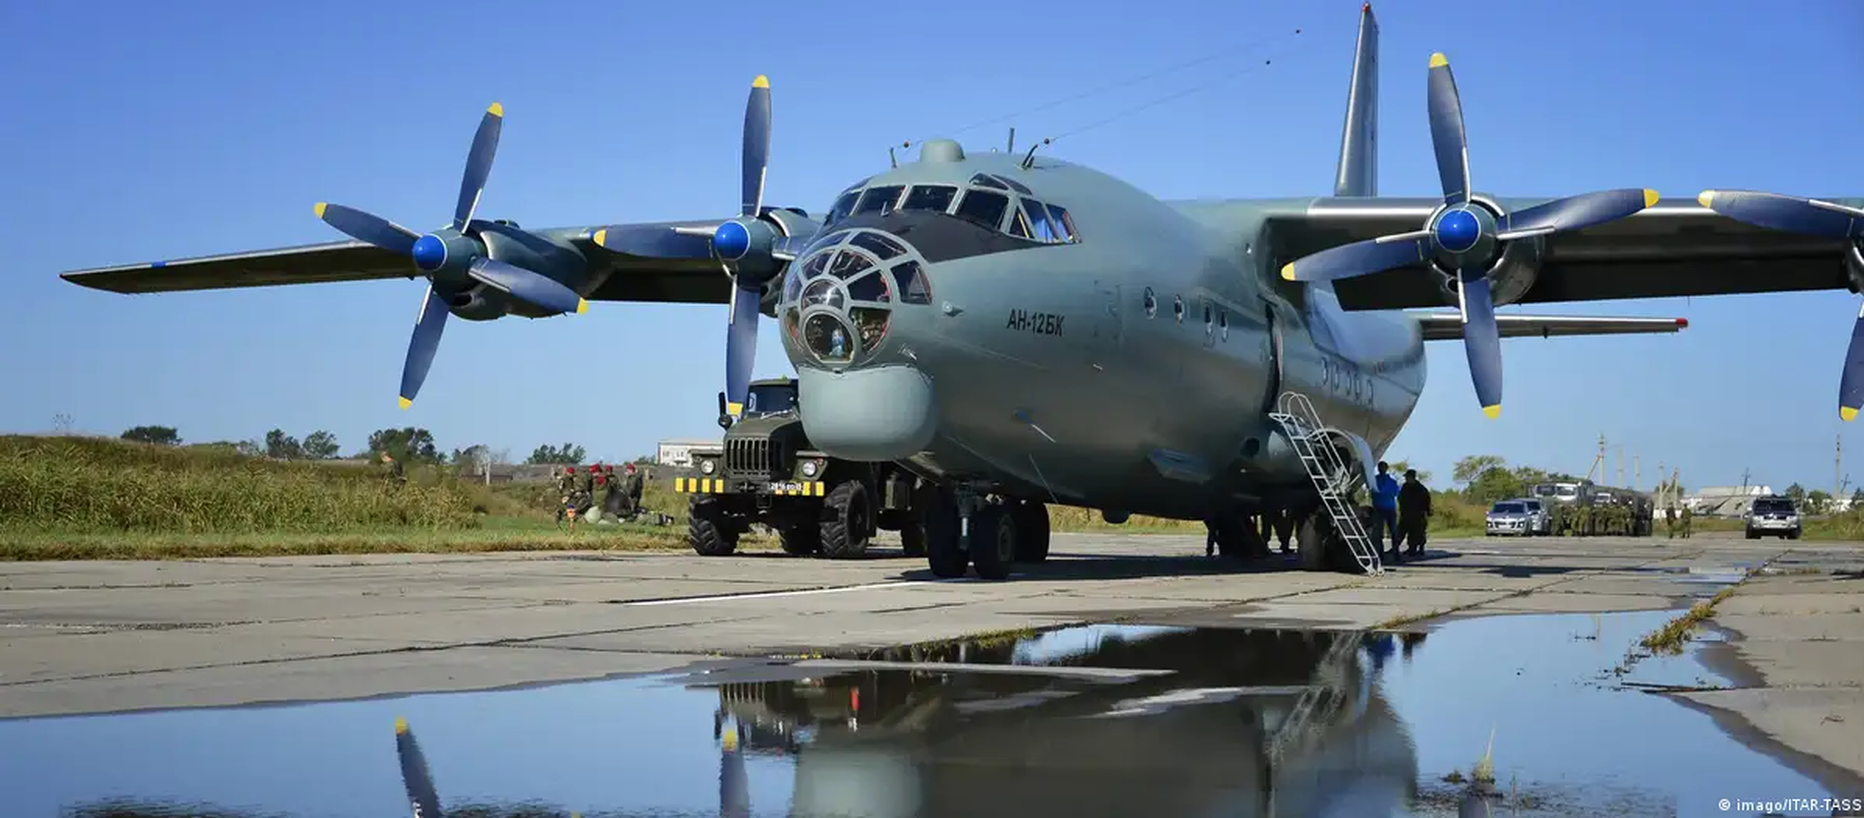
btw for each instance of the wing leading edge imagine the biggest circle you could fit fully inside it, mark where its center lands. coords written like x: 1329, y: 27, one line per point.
x: 1448, y: 326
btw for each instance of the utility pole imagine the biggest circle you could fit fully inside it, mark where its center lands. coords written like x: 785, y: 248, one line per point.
x: 1838, y: 460
x: 1621, y: 465
x: 1637, y: 472
x: 1744, y: 480
x: 1598, y: 463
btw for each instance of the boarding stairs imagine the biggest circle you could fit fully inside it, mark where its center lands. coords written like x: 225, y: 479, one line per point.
x: 1336, y: 683
x: 1331, y: 477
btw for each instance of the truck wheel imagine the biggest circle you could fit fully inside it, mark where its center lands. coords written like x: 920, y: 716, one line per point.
x: 844, y: 533
x: 800, y: 539
x: 913, y: 536
x: 993, y: 541
x: 938, y: 516
x: 707, y: 531
x: 1032, y: 531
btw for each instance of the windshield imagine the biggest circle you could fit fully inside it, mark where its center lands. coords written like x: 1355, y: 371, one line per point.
x: 770, y: 399
x: 1773, y: 506
x: 1507, y: 508
x: 1531, y: 505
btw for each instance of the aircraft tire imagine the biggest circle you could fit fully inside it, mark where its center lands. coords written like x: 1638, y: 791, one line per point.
x: 706, y: 530
x: 993, y: 541
x: 844, y: 532
x: 938, y: 516
x: 1311, y: 545
x: 1032, y: 531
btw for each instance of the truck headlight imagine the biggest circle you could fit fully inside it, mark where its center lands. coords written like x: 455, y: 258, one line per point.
x: 708, y: 466
x: 811, y: 467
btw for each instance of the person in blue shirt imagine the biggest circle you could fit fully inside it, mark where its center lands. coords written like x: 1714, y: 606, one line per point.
x: 1385, y: 510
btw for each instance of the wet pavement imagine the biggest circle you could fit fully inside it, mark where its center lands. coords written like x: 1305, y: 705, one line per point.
x: 1113, y: 720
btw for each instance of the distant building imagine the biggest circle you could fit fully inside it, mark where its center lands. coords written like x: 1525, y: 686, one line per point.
x: 1724, y: 501
x: 678, y: 454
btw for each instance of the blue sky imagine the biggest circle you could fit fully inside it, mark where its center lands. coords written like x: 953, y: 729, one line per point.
x: 162, y: 131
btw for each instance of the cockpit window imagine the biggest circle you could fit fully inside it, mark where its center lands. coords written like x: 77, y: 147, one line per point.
x: 983, y: 207
x: 912, y: 283
x: 986, y: 180
x: 1039, y: 227
x: 930, y: 197
x: 881, y: 246
x: 1019, y: 224
x: 870, y: 287
x: 1019, y: 187
x: 879, y: 200
x: 843, y: 206
x: 1062, y: 223
x: 848, y: 263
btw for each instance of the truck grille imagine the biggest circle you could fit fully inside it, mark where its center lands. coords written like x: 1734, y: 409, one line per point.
x: 752, y: 456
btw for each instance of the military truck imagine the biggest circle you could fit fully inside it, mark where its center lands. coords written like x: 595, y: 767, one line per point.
x: 766, y: 473
x: 1610, y: 510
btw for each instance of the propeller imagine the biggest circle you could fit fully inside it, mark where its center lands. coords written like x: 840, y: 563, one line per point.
x: 734, y: 786
x: 749, y: 249
x: 451, y: 259
x: 1810, y: 217
x: 1464, y: 235
x: 423, y: 799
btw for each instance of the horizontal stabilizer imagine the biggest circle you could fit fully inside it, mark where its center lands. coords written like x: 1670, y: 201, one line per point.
x: 1448, y: 326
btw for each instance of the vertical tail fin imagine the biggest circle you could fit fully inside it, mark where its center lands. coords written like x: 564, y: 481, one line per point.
x: 1359, y: 145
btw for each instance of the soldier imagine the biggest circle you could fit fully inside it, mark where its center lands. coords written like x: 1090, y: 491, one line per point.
x: 632, y: 487
x: 566, y: 486
x: 1686, y: 515
x: 1669, y: 522
x: 391, y: 470
x: 1582, y: 521
x: 1413, y: 513
x: 586, y: 491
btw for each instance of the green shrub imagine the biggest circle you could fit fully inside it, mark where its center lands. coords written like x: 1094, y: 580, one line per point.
x: 76, y: 483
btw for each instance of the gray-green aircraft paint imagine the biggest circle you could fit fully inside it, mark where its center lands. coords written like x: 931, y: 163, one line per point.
x: 1103, y: 348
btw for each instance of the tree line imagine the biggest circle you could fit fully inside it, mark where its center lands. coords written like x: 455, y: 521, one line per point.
x: 409, y: 444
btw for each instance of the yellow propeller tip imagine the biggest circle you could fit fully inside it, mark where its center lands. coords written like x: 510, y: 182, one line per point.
x: 734, y: 408
x: 1650, y: 197
x: 1706, y: 198
x: 1847, y: 413
x: 582, y: 305
x: 1492, y: 411
x: 1287, y: 271
x: 401, y: 725
x: 497, y: 109
x: 761, y: 82
x: 405, y: 403
x: 319, y: 207
x: 730, y: 740
x: 600, y: 236
x: 1437, y: 60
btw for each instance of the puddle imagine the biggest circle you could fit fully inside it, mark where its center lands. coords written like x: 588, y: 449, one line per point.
x: 1191, y: 722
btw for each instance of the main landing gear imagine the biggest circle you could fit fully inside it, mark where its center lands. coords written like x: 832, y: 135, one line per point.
x: 964, y: 528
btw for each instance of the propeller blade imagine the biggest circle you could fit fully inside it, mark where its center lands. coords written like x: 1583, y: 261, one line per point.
x: 1482, y: 341
x: 1851, y: 383
x: 648, y: 241
x: 414, y: 774
x: 756, y: 144
x: 529, y: 286
x: 1575, y: 212
x: 1361, y: 257
x: 734, y: 786
x: 368, y: 227
x: 741, y: 346
x: 1446, y: 132
x: 478, y: 165
x: 1789, y: 213
x: 427, y: 328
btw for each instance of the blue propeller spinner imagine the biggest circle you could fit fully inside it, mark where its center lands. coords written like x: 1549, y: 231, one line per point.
x: 451, y: 258
x: 749, y: 249
x: 1466, y: 236
x: 1809, y: 217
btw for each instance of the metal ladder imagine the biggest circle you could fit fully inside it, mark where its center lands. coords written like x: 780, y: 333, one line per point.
x: 1305, y: 433
x: 1331, y: 688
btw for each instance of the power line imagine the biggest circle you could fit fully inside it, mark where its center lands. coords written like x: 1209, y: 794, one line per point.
x: 1161, y: 101
x: 1229, y: 51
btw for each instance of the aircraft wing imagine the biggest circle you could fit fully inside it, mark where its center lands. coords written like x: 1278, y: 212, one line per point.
x: 1673, y: 248
x: 1448, y: 326
x: 680, y: 269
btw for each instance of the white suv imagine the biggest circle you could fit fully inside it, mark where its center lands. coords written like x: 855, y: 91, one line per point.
x: 1775, y: 516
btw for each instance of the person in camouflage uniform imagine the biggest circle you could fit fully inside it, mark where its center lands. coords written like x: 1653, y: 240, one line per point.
x: 1582, y: 521
x: 1686, y: 515
x: 1669, y: 522
x: 392, y: 473
x: 566, y: 487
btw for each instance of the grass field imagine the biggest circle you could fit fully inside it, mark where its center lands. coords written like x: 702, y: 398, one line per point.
x: 93, y: 498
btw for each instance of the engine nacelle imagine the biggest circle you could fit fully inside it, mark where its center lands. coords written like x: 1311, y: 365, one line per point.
x: 1511, y: 274
x: 1854, y: 265
x: 504, y: 241
x: 478, y: 303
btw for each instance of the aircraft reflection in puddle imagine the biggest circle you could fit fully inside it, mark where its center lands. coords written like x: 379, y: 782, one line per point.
x: 1245, y: 723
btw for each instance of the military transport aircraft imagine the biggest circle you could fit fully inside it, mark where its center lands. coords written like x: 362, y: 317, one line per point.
x: 1016, y: 329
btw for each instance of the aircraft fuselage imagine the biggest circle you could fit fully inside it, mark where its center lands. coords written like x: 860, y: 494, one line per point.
x: 1130, y: 369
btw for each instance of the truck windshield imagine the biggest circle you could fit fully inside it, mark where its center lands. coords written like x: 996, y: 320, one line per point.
x: 770, y: 399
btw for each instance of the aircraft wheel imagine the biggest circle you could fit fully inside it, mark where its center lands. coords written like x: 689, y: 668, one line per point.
x: 708, y: 531
x: 939, y: 519
x: 844, y: 533
x: 1032, y: 531
x: 993, y: 541
x: 1311, y: 545
x: 913, y: 536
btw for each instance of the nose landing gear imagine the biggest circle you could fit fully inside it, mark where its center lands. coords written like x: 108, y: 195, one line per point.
x: 966, y: 527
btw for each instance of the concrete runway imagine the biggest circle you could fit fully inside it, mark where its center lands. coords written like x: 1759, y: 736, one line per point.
x: 82, y: 637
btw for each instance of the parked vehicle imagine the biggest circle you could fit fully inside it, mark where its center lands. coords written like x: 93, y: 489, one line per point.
x: 1773, y: 515
x: 1510, y: 517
